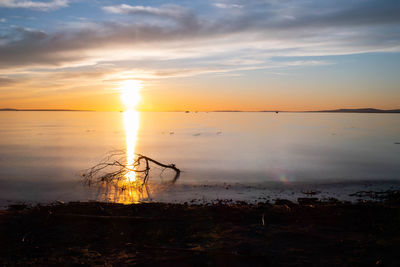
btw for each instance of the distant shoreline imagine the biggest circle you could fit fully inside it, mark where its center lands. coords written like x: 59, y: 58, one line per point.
x: 14, y: 109
x: 359, y: 110
x: 356, y: 110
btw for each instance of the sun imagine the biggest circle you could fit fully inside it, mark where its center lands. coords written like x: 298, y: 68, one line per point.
x: 130, y: 93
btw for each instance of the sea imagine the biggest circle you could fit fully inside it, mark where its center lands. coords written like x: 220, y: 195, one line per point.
x: 223, y: 156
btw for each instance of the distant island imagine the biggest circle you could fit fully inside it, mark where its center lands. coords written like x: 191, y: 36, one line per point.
x: 342, y: 110
x: 360, y: 110
x: 41, y: 109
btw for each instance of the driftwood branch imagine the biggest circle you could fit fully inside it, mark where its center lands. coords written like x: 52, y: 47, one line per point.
x: 164, y: 166
x: 118, y: 180
x: 114, y: 169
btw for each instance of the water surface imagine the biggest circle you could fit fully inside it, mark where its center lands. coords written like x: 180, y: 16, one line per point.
x: 222, y: 155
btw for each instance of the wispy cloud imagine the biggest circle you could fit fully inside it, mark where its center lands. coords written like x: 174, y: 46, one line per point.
x: 181, y: 16
x: 4, y: 81
x: 35, y: 5
x: 173, y: 11
x: 224, y: 5
x: 256, y: 32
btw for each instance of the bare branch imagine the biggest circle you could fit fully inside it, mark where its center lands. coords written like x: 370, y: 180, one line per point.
x: 113, y: 172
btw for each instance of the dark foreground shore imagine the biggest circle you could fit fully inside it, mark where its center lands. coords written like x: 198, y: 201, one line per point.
x: 311, y: 233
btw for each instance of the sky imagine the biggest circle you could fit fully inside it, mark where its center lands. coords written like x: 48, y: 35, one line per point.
x: 200, y: 55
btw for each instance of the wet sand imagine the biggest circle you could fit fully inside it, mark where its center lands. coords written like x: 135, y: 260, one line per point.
x: 308, y: 233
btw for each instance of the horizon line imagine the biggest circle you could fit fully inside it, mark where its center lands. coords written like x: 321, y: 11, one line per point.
x: 343, y: 110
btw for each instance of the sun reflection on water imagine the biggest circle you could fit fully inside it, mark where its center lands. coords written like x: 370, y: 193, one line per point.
x: 131, y: 125
x: 131, y: 189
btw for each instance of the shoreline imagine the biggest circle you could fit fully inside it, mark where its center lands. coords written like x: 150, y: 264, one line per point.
x: 312, y: 233
x: 179, y: 193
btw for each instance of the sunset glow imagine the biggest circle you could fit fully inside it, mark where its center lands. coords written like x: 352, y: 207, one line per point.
x: 130, y: 94
x: 199, y: 55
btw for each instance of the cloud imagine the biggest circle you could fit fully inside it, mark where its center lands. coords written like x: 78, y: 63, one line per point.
x: 182, y: 16
x: 302, y: 63
x: 5, y: 81
x: 223, y: 5
x: 173, y: 11
x: 256, y: 32
x: 34, y: 5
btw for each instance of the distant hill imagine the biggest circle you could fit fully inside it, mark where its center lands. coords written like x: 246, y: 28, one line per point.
x: 360, y: 110
x: 8, y: 109
x: 342, y: 110
x: 14, y: 109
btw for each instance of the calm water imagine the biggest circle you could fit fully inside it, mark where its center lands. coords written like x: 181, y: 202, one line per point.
x: 222, y: 155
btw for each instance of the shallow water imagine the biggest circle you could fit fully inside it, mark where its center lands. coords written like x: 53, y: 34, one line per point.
x: 243, y: 156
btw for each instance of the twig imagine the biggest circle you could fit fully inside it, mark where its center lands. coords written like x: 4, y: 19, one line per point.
x: 113, y: 172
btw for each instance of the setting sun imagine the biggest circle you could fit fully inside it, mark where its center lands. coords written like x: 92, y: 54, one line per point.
x: 130, y: 93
